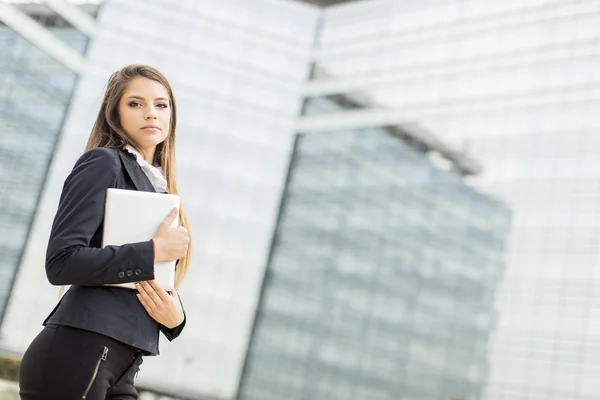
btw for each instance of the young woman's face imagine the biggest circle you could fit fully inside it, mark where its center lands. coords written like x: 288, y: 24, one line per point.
x: 145, y: 113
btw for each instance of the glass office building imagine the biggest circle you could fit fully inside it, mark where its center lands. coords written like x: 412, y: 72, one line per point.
x: 382, y: 276
x: 35, y: 91
x: 513, y: 82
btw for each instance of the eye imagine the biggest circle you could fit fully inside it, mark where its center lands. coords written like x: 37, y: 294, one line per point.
x: 134, y: 104
x: 162, y: 105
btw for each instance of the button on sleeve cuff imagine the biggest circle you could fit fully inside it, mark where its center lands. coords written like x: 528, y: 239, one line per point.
x: 141, y: 267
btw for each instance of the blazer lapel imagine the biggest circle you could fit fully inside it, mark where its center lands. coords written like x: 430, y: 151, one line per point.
x: 139, y: 178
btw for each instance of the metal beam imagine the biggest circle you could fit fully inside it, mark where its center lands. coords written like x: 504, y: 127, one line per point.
x: 81, y: 20
x: 362, y: 119
x: 42, y: 38
x: 343, y: 120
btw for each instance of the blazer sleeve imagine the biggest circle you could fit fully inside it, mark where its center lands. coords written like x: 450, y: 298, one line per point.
x: 173, y: 333
x: 69, y: 258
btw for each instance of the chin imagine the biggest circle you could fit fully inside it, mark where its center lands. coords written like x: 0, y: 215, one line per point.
x: 150, y: 141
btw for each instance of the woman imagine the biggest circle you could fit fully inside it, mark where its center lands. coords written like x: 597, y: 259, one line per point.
x: 93, y: 341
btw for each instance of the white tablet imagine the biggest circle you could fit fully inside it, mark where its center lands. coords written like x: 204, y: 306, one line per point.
x: 132, y: 216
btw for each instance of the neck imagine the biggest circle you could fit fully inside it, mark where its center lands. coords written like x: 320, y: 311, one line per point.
x: 148, y: 155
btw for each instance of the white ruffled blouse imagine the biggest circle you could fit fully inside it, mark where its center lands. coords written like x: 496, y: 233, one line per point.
x: 154, y: 174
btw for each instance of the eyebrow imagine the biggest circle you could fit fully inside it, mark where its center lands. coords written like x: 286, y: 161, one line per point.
x: 141, y: 98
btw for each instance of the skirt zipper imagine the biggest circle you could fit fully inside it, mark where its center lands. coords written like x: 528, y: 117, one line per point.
x: 89, y: 386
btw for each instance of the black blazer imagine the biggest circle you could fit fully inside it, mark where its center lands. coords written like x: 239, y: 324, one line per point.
x: 75, y: 255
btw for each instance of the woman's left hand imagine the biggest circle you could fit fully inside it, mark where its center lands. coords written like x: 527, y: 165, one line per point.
x: 164, y: 307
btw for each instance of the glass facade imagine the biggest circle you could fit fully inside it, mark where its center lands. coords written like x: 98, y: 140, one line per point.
x: 382, y: 278
x: 35, y: 91
x: 515, y: 82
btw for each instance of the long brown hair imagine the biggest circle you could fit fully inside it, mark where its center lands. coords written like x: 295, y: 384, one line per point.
x: 107, y: 132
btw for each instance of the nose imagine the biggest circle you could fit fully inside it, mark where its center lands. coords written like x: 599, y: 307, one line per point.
x: 151, y: 113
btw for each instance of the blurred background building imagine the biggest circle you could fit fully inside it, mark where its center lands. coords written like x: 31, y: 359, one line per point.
x: 390, y: 199
x: 381, y: 280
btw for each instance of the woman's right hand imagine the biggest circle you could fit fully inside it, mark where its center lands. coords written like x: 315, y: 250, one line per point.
x: 170, y: 244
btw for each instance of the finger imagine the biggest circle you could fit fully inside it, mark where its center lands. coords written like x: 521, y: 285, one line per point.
x: 182, y: 233
x: 162, y: 293
x: 147, y: 304
x: 152, y: 293
x: 144, y: 304
x: 145, y: 296
x: 171, y: 217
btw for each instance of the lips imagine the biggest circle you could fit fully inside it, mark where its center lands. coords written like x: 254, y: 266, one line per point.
x: 151, y: 127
